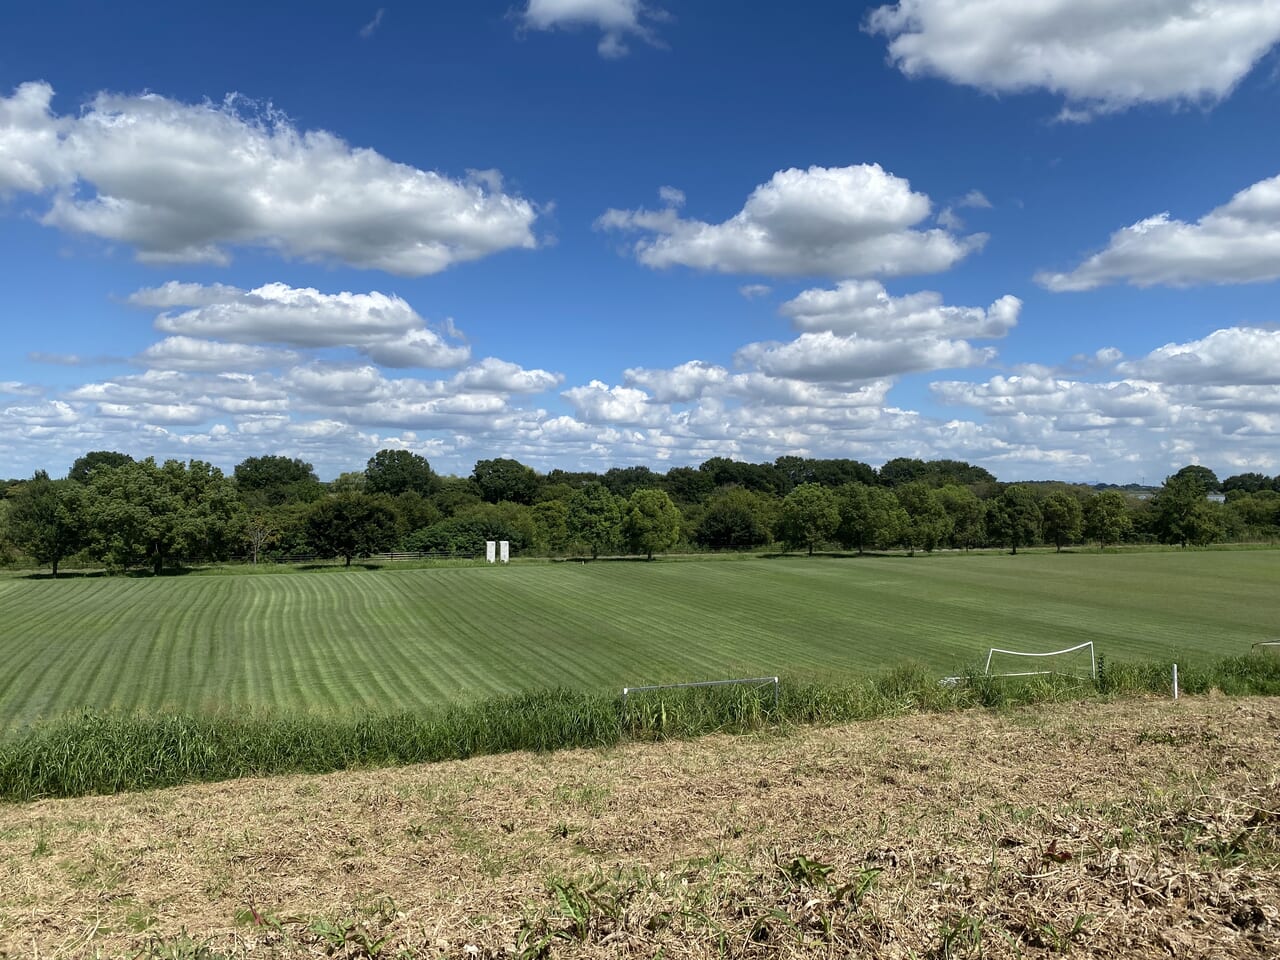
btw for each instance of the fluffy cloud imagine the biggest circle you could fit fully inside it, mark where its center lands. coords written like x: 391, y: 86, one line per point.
x: 680, y: 384
x: 29, y: 159
x: 382, y: 327
x: 1210, y: 400
x: 51, y: 413
x: 832, y: 358
x: 183, y: 182
x: 616, y: 20
x: 951, y: 220
x: 1238, y: 242
x: 1100, y: 56
x: 17, y: 388
x: 416, y: 348
x: 857, y: 331
x: 501, y: 376
x: 1072, y: 404
x: 191, y: 353
x: 599, y: 403
x: 828, y: 392
x: 1236, y: 355
x: 839, y: 221
x: 865, y: 307
x: 212, y: 393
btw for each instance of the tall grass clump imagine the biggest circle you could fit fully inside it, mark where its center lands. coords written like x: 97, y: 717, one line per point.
x: 97, y: 753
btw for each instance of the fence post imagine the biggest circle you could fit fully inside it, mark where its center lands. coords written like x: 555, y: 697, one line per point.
x: 1175, y: 681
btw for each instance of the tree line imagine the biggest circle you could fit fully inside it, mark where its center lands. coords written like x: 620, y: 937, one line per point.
x: 124, y: 514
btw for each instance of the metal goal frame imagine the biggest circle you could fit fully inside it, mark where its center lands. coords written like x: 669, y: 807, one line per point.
x: 1088, y: 644
x: 758, y: 681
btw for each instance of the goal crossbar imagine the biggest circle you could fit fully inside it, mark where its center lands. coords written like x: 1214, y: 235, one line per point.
x: 1087, y: 645
x: 759, y: 681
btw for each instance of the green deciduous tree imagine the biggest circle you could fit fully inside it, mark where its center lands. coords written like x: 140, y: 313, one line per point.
x: 1205, y: 478
x: 902, y: 470
x: 829, y: 473
x: 47, y: 519
x: 760, y: 477
x: 1013, y: 518
x: 1063, y: 519
x: 967, y: 514
x: 650, y: 522
x: 928, y: 524
x: 1258, y: 512
x: 141, y: 513
x: 551, y: 526
x: 397, y: 471
x: 735, y: 519
x: 810, y: 516
x: 624, y: 481
x: 260, y: 533
x: 350, y: 525
x: 869, y: 517
x: 1106, y: 517
x: 687, y: 485
x: 594, y: 518
x: 1182, y: 515
x: 505, y: 479
x: 94, y: 459
x: 1247, y: 483
x: 269, y: 481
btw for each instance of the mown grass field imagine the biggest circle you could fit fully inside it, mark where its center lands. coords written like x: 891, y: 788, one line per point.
x: 390, y: 639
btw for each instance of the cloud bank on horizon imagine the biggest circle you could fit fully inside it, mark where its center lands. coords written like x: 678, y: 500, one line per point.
x: 267, y: 285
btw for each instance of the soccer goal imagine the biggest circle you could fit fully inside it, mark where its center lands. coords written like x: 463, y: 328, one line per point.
x: 750, y: 682
x: 1077, y: 662
x: 1267, y: 646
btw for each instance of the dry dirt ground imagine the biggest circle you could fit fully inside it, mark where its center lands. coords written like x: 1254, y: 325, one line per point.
x: 1133, y: 829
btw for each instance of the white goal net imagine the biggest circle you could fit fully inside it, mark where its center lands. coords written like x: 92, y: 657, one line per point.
x: 1077, y: 662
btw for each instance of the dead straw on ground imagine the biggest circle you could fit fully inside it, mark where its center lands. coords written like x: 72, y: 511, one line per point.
x: 1131, y: 829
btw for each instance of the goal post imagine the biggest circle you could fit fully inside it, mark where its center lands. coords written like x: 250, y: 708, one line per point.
x: 757, y: 682
x: 1266, y: 646
x: 1077, y: 662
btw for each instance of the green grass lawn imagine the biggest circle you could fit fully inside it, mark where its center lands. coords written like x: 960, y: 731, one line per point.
x: 397, y: 638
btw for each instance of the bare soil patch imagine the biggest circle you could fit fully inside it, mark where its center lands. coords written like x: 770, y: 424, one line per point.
x: 1132, y: 829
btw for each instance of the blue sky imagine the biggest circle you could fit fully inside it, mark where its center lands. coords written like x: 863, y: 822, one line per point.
x: 586, y: 233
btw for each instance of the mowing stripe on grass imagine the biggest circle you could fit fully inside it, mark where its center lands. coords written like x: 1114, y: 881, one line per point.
x: 392, y: 638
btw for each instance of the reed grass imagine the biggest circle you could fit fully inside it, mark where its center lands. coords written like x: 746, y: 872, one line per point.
x: 103, y: 753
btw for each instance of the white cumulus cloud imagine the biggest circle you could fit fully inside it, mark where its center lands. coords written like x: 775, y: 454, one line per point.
x: 1101, y: 56
x: 680, y: 384
x: 185, y: 182
x: 615, y: 19
x: 865, y: 307
x: 1234, y: 355
x: 1238, y: 242
x: 838, y: 221
x: 193, y: 353
x: 381, y: 326
x: 599, y: 403
x: 830, y: 357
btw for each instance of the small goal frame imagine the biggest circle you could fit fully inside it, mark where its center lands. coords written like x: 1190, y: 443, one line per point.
x: 1264, y: 645
x: 1088, y: 644
x: 756, y: 682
